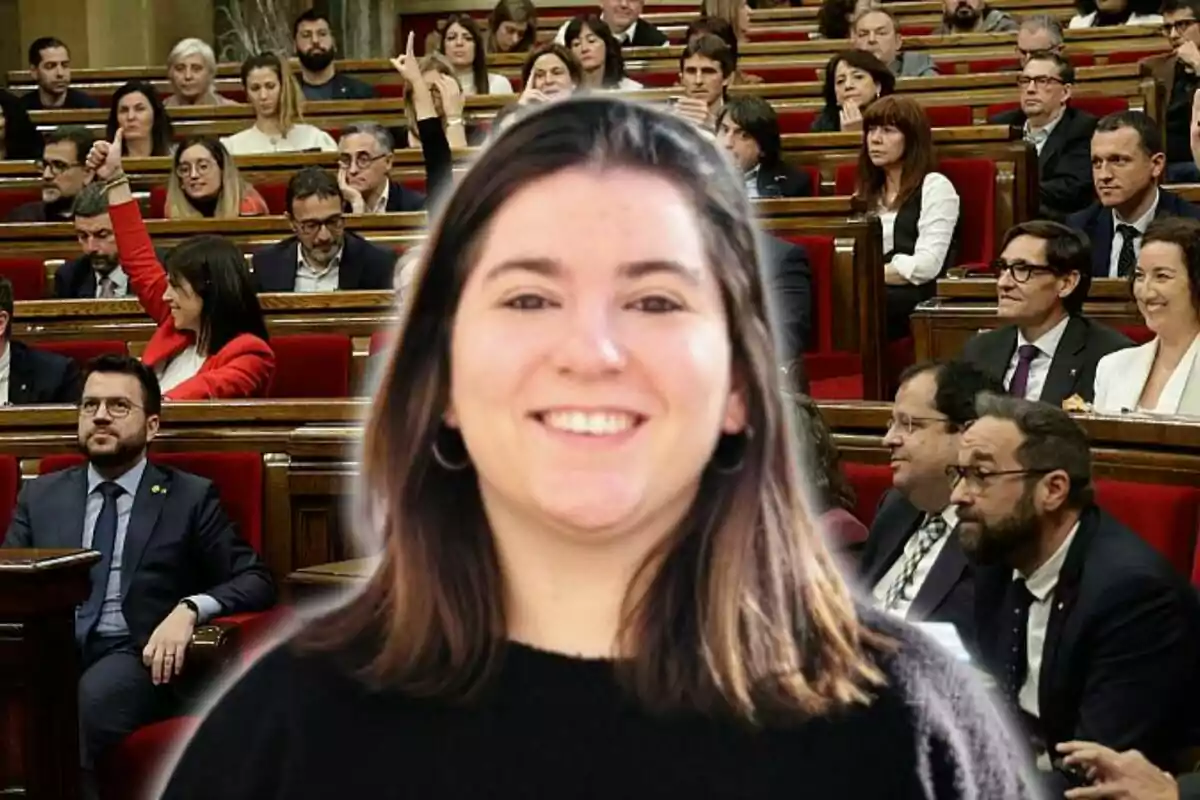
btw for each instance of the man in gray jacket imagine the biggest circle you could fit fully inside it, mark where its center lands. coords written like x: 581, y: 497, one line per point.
x: 876, y: 31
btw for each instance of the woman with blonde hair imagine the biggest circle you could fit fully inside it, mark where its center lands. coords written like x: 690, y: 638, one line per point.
x: 192, y: 71
x: 597, y: 576
x: 438, y: 76
x: 278, y: 122
x: 205, y: 183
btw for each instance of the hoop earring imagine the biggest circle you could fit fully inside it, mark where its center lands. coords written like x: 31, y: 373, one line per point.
x: 445, y: 463
x: 730, y: 454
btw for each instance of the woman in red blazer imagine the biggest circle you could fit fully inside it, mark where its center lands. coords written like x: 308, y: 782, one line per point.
x: 211, y: 341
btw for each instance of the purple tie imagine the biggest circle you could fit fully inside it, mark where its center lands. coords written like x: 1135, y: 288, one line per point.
x: 1026, y: 353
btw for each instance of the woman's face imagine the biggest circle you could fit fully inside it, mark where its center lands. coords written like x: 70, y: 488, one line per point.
x: 264, y: 90
x: 743, y: 20
x: 1163, y: 289
x: 190, y: 77
x: 135, y: 115
x: 550, y: 76
x: 185, y: 304
x: 509, y: 34
x: 459, y: 46
x: 885, y: 145
x: 852, y: 83
x: 198, y: 173
x: 589, y: 49
x: 597, y: 416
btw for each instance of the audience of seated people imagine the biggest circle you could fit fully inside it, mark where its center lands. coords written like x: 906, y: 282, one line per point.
x: 50, y: 66
x: 145, y: 127
x: 1127, y: 162
x: 192, y: 70
x: 27, y: 375
x: 64, y: 175
x: 1048, y: 349
x: 974, y: 16
x: 170, y: 557
x: 1062, y: 135
x: 876, y: 31
x: 1161, y: 376
x: 599, y: 54
x: 279, y: 125
x: 205, y: 183
x: 1107, y: 13
x: 19, y: 139
x: 462, y: 45
x: 316, y: 48
x: 853, y: 80
x: 623, y: 17
x: 512, y: 27
x: 706, y: 68
x: 748, y: 129
x: 1175, y: 74
x: 918, y: 207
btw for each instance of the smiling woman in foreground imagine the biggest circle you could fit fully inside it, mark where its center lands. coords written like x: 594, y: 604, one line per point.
x: 599, y: 577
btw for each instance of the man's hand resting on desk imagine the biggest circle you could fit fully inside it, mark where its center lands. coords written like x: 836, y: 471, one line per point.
x: 1117, y: 776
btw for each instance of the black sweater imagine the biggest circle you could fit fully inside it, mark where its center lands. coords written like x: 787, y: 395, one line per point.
x: 297, y: 726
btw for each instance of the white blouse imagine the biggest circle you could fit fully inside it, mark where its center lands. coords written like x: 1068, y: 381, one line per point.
x: 1121, y: 378
x: 182, y: 367
x: 497, y: 84
x: 935, y: 230
x: 1089, y: 20
x: 301, y: 137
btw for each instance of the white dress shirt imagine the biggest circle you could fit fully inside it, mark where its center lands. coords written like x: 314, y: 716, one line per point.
x: 1038, y: 137
x: 5, y: 369
x: 180, y: 368
x: 1041, y: 585
x: 311, y: 279
x: 935, y: 230
x: 622, y: 38
x: 380, y: 206
x: 1141, y: 223
x: 880, y: 592
x: 120, y: 282
x: 1039, y: 368
x: 301, y: 137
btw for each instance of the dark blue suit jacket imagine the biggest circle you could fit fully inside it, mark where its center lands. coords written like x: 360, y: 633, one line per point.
x: 1097, y: 222
x: 179, y: 543
x: 364, y: 266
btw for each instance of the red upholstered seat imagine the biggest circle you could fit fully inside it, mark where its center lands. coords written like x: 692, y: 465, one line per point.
x: 158, y: 202
x: 133, y: 766
x: 84, y: 351
x: 999, y: 108
x: 870, y: 482
x: 27, y: 275
x: 844, y: 178
x: 814, y: 177
x: 11, y: 198
x: 311, y: 365
x: 10, y: 484
x: 1124, y: 57
x: 949, y: 116
x: 916, y: 30
x: 794, y: 120
x: 975, y: 181
x: 657, y: 79
x: 1139, y: 333
x: 393, y: 90
x: 784, y: 35
x: 984, y: 66
x: 416, y: 183
x: 275, y: 194
x: 1165, y: 516
x: 1100, y: 106
x: 842, y: 387
x: 380, y: 340
x: 820, y: 259
x: 784, y: 74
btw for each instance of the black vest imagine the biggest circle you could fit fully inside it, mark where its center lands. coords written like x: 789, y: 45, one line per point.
x: 904, y: 233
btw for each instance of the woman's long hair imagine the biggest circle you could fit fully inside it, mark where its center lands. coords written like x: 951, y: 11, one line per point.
x: 907, y: 116
x: 229, y: 197
x: 434, y: 62
x: 479, y: 70
x: 216, y: 271
x: 21, y: 139
x: 614, y: 61
x: 743, y: 613
x: 824, y: 461
x: 161, y: 131
x: 522, y: 12
x: 290, y: 110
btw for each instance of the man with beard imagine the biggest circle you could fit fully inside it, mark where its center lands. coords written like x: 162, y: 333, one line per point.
x: 1089, y: 632
x: 169, y: 557
x: 29, y: 376
x: 63, y: 176
x: 97, y: 273
x: 312, y: 36
x: 974, y: 16
x: 911, y: 563
x: 323, y: 256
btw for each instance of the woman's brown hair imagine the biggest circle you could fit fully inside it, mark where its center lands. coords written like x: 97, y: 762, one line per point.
x: 741, y: 613
x: 907, y: 116
x: 229, y: 196
x: 479, y: 70
x: 522, y: 12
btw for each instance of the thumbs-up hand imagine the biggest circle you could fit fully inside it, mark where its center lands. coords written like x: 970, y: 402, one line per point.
x: 105, y: 158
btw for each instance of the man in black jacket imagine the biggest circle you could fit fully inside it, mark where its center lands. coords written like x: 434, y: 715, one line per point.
x: 364, y: 163
x: 29, y: 376
x: 1048, y: 350
x: 624, y: 19
x: 316, y: 48
x: 748, y: 129
x: 63, y: 176
x: 1062, y: 135
x: 323, y: 256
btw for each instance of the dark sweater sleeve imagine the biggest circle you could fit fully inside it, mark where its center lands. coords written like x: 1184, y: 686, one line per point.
x: 435, y: 149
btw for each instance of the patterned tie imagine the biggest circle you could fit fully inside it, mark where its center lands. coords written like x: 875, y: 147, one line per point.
x: 930, y: 534
x: 1128, y: 258
x: 1019, y: 600
x: 104, y: 539
x: 108, y: 288
x: 1019, y: 384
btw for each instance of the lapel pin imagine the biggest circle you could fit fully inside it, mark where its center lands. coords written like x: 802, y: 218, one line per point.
x: 156, y: 489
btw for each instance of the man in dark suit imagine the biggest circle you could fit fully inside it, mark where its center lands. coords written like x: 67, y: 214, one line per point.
x: 748, y: 130
x: 63, y: 176
x: 1127, y: 161
x: 97, y: 273
x: 1089, y: 632
x: 1062, y: 135
x: 912, y: 564
x: 29, y: 376
x: 1048, y: 351
x: 364, y: 163
x: 1175, y: 76
x: 170, y: 558
x: 316, y: 48
x: 623, y: 18
x: 323, y: 256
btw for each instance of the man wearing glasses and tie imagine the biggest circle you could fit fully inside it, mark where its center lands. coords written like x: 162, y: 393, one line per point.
x: 63, y: 176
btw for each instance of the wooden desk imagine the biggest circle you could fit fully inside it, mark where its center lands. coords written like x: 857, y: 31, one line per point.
x: 39, y: 671
x: 324, y: 582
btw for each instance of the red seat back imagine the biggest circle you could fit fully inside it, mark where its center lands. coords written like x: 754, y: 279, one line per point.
x: 11, y: 198
x: 870, y: 482
x: 780, y: 35
x: 949, y: 116
x: 380, y: 340
x: 814, y: 176
x: 795, y: 120
x: 1000, y: 108
x: 311, y: 365
x: 975, y: 181
x: 1003, y: 64
x: 27, y: 275
x: 81, y: 352
x: 237, y: 476
x: 820, y: 259
x: 10, y: 484
x: 1139, y: 333
x: 844, y: 178
x: 275, y: 195
x: 784, y: 74
x: 1124, y: 57
x: 1167, y: 517
x: 1100, y: 106
x: 657, y: 79
x: 158, y: 202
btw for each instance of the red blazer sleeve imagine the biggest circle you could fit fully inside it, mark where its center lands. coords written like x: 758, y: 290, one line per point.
x: 146, y: 276
x: 242, y: 368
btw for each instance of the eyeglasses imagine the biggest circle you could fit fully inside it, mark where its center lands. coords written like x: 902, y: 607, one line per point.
x: 1178, y: 26
x: 311, y: 227
x: 360, y: 160
x: 904, y: 423
x: 1020, y: 270
x: 201, y: 168
x: 977, y: 479
x: 1040, y: 81
x: 55, y: 166
x: 118, y: 407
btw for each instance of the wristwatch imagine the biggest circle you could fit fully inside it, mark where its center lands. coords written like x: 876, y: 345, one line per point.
x: 192, y: 605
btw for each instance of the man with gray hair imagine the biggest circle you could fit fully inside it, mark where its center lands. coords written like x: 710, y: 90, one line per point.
x: 364, y: 164
x: 876, y: 31
x: 1039, y: 33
